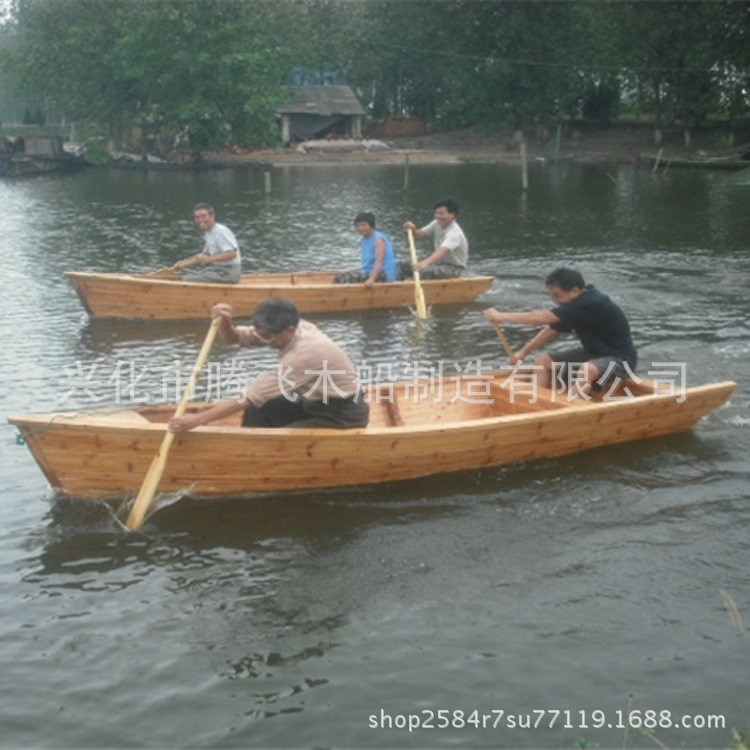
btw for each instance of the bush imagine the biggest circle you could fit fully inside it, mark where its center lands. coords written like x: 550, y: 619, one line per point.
x: 97, y: 153
x: 602, y: 103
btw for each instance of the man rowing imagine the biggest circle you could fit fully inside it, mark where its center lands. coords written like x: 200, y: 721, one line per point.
x: 605, y: 351
x: 315, y: 384
x: 219, y: 260
x: 450, y: 246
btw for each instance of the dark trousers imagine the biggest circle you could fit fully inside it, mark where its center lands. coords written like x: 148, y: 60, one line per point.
x: 356, y: 277
x: 337, y: 413
x: 435, y: 271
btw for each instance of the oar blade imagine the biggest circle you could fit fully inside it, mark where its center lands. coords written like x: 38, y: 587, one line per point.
x: 153, y: 476
x: 419, y: 301
x: 150, y: 485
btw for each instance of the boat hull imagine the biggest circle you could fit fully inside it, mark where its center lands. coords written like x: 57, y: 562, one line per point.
x: 695, y: 162
x: 107, y: 454
x: 129, y: 296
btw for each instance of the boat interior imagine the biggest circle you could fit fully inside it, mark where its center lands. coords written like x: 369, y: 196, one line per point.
x: 448, y: 400
x: 302, y: 278
x: 306, y: 278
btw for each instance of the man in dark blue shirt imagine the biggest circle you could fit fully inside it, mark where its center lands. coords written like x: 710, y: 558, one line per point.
x: 606, y: 349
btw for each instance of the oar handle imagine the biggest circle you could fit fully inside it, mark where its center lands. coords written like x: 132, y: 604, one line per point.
x: 506, y: 344
x: 187, y: 263
x: 418, y: 293
x: 146, y: 494
x: 199, y: 365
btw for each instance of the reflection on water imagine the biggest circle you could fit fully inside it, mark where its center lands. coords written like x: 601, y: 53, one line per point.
x: 286, y: 620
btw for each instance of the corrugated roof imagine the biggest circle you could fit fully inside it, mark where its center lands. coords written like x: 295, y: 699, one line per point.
x: 322, y: 100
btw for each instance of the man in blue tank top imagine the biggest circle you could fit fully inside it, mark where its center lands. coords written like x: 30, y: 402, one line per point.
x: 378, y: 256
x: 606, y: 348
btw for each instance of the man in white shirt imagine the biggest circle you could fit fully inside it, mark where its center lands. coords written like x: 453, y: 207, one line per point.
x: 220, y: 258
x: 451, y: 249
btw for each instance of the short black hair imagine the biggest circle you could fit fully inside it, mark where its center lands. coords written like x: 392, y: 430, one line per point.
x: 366, y: 216
x: 204, y: 207
x: 566, y: 279
x: 275, y: 315
x: 449, y: 204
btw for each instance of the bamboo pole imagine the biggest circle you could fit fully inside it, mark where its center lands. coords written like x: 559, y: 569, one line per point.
x: 153, y: 476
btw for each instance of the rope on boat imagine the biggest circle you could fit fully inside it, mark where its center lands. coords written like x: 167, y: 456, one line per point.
x: 22, y: 439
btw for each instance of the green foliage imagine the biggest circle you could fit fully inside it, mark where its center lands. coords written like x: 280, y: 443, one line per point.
x: 678, y: 56
x: 209, y: 72
x: 33, y: 116
x: 203, y: 66
x: 97, y: 153
x: 529, y: 63
x: 603, y: 102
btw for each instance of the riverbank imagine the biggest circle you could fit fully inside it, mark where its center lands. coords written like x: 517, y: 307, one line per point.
x: 585, y: 143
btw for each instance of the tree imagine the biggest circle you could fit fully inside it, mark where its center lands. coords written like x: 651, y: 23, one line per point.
x: 211, y: 70
x: 678, y: 54
x: 200, y: 67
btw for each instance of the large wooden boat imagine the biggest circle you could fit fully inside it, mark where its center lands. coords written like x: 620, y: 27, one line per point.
x: 108, y: 295
x: 463, y: 424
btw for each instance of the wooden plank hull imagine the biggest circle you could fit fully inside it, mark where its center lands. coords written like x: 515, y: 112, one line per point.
x: 104, y: 454
x: 129, y: 296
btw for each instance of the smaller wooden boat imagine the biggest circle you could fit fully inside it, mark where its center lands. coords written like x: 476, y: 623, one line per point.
x: 462, y: 424
x: 110, y: 295
x: 696, y: 162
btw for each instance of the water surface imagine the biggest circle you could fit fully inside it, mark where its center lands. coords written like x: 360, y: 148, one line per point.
x: 582, y: 583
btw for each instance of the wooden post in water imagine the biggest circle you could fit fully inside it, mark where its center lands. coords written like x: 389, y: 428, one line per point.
x: 267, y: 178
x: 656, y: 161
x: 524, y: 167
x: 406, y: 171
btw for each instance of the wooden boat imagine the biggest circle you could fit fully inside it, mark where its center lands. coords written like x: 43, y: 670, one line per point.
x: 696, y: 162
x: 466, y: 423
x: 108, y: 295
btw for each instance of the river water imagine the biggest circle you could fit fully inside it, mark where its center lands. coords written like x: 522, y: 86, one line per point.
x: 594, y: 585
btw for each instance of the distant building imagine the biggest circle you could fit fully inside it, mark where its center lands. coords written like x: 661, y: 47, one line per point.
x: 321, y: 112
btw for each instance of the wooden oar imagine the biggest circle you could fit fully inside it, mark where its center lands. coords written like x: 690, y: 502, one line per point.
x: 176, y: 267
x: 419, y: 302
x: 150, y: 484
x: 506, y: 344
x: 162, y: 271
